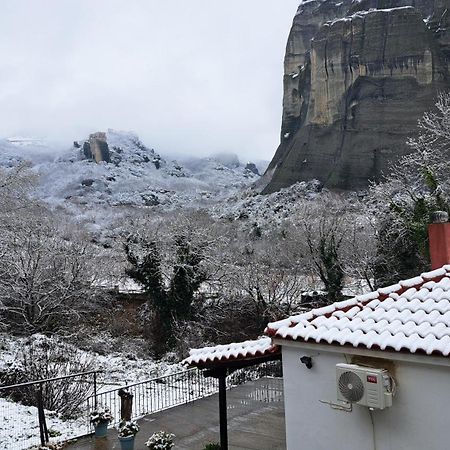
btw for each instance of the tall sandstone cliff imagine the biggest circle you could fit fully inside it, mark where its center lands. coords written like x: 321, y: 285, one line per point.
x: 358, y: 76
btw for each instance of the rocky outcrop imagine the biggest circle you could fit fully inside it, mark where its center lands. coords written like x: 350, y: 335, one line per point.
x: 358, y: 75
x: 251, y: 167
x: 117, y: 147
x: 97, y: 148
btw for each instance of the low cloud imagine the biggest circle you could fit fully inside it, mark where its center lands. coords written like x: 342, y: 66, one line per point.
x: 192, y: 77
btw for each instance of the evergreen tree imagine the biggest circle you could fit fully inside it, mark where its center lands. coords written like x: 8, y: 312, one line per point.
x: 166, y: 304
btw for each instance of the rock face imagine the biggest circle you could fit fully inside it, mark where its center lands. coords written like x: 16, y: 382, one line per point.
x: 97, y: 148
x: 358, y: 75
x: 252, y: 168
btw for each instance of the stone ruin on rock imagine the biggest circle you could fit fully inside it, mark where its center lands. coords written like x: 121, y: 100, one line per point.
x: 96, y: 148
x: 358, y: 76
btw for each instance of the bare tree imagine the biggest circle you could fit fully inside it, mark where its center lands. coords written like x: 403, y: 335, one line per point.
x: 269, y: 275
x: 45, y: 277
x: 15, y: 186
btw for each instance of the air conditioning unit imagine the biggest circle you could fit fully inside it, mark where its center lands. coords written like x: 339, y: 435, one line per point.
x: 364, y: 386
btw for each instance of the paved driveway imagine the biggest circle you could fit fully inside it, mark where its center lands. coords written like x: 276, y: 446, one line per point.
x: 255, y: 421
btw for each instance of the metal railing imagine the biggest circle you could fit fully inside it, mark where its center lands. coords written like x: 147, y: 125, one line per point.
x: 156, y: 394
x: 33, y: 399
x: 149, y: 396
x: 271, y: 369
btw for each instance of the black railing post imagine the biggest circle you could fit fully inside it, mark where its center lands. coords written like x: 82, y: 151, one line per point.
x: 221, y: 374
x: 43, y: 431
x: 95, y: 390
x: 89, y: 425
x: 38, y: 388
x: 223, y: 411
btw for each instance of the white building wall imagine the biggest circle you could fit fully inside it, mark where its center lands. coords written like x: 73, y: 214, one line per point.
x: 418, y: 419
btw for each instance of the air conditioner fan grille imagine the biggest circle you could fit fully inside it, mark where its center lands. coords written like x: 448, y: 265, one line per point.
x: 351, y: 387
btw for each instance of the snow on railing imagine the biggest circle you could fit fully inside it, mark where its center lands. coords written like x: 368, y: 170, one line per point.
x: 21, y: 429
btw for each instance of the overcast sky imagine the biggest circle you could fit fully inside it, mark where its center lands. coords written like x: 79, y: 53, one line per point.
x: 190, y: 77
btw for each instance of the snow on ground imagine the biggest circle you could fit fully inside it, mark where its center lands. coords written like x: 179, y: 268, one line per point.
x: 19, y: 427
x: 117, y: 369
x: 273, y: 208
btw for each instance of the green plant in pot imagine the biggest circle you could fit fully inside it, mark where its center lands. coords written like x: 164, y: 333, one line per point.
x: 160, y: 441
x: 212, y: 446
x: 100, y: 418
x: 127, y: 432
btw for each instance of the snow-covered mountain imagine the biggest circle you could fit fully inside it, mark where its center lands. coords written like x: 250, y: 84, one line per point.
x: 115, y: 169
x: 270, y: 208
x: 15, y: 150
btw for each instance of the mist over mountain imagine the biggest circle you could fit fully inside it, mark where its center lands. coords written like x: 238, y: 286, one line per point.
x: 114, y: 169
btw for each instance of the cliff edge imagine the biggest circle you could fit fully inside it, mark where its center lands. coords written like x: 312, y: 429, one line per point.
x: 357, y: 77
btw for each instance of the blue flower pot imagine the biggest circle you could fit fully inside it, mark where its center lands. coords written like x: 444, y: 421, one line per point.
x: 127, y: 443
x: 101, y: 429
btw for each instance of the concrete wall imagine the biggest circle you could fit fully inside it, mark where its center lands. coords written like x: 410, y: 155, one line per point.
x: 418, y: 419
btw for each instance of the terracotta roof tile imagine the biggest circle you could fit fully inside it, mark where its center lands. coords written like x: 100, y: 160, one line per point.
x: 412, y: 315
x: 231, y: 352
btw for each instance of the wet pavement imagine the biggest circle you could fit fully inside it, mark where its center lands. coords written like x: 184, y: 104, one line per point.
x: 255, y: 421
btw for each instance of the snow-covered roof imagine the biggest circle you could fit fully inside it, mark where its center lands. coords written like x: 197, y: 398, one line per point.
x: 232, y: 352
x: 411, y: 316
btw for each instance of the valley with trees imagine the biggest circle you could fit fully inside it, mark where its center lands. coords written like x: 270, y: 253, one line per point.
x: 116, y: 260
x: 218, y: 274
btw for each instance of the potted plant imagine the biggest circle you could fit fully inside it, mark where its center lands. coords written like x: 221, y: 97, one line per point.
x: 160, y: 441
x: 127, y: 432
x: 212, y: 446
x: 100, y: 418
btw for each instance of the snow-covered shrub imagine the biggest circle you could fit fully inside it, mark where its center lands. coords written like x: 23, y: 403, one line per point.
x: 41, y: 357
x: 160, y: 441
x: 105, y: 342
x: 127, y: 428
x: 56, y: 446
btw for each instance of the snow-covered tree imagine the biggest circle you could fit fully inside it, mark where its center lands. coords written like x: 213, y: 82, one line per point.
x: 417, y: 185
x: 46, y: 273
x: 45, y: 278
